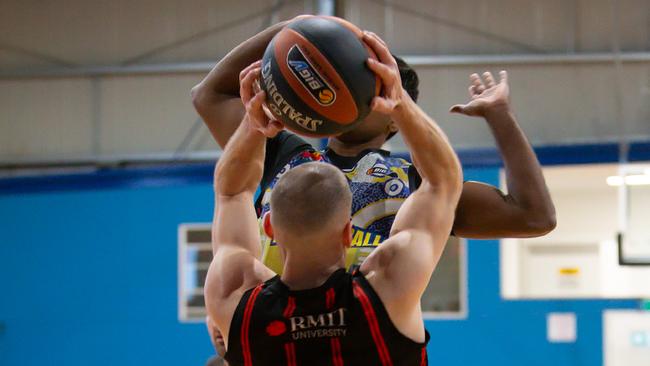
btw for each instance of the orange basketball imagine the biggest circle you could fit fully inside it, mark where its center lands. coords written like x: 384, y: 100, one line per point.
x: 315, y: 76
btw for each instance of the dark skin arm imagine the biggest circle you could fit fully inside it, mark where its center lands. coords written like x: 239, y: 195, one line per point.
x: 483, y: 210
x: 216, y: 97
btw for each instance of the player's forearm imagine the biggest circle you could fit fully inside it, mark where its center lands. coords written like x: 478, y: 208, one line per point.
x: 240, y: 168
x: 430, y: 150
x: 526, y: 186
x: 223, y: 79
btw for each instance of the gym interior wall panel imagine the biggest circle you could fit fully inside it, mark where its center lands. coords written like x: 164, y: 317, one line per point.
x: 506, y: 26
x: 10, y: 59
x: 111, y: 32
x: 453, y: 27
x: 146, y: 114
x: 554, y: 104
x: 45, y: 118
x: 80, y: 32
x: 596, y: 21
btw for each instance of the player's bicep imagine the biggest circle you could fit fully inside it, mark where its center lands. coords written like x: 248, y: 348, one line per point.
x: 418, y: 237
x: 232, y: 271
x: 403, y: 265
x: 235, y: 224
x: 412, y: 265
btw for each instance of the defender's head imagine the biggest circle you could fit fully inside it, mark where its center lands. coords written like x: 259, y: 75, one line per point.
x: 378, y: 124
x: 312, y: 201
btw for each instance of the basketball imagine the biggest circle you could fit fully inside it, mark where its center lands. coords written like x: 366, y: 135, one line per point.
x: 315, y: 76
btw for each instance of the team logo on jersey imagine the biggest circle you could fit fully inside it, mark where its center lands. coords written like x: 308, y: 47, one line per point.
x: 332, y: 324
x: 362, y: 238
x: 394, y: 187
x: 378, y: 170
x: 306, y: 73
x: 276, y: 328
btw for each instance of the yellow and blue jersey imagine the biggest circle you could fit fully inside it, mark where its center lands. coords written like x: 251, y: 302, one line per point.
x: 379, y: 183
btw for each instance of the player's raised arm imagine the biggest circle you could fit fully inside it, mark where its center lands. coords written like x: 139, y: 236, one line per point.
x: 216, y: 98
x: 430, y: 150
x: 239, y: 172
x: 400, y: 268
x: 235, y: 266
x: 527, y: 210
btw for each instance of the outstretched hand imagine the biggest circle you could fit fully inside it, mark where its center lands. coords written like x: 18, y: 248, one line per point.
x: 486, y: 95
x: 253, y: 98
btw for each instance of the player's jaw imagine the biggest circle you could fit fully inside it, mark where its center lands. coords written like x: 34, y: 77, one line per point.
x: 374, y: 128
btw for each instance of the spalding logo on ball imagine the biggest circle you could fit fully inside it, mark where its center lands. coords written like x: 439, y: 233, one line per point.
x: 315, y: 76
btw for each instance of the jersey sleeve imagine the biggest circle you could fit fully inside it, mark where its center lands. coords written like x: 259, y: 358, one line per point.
x: 279, y: 150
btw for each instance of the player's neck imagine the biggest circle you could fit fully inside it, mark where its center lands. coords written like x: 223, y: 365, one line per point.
x: 300, y: 277
x: 352, y: 149
x: 309, y: 270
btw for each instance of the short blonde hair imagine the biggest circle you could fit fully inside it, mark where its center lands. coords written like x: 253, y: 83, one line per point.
x: 310, y: 197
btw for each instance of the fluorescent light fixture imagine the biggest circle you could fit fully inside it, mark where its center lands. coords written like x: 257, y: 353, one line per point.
x: 629, y: 180
x: 615, y: 180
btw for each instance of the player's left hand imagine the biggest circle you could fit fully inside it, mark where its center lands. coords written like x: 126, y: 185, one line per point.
x: 387, y: 70
x: 486, y: 95
x: 253, y: 99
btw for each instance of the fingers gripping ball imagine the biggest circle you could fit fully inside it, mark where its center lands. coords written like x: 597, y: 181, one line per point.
x: 315, y: 76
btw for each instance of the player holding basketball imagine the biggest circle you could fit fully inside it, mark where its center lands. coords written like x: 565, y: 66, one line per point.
x: 381, y: 183
x: 316, y: 313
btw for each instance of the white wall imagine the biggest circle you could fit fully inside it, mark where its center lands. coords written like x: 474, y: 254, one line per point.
x: 587, y: 215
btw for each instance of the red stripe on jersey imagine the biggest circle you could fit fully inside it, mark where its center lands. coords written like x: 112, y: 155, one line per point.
x: 330, y: 297
x: 291, y: 306
x: 373, y: 324
x: 245, y: 327
x: 290, y: 348
x: 423, y: 360
x: 290, y: 352
x: 337, y: 359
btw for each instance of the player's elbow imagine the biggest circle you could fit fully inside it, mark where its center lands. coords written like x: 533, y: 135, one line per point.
x: 543, y: 224
x: 200, y: 97
x: 536, y: 224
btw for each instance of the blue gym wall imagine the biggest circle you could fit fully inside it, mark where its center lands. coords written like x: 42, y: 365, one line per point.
x: 88, y: 266
x: 90, y: 277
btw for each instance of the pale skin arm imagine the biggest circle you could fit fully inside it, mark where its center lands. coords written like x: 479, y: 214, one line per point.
x: 236, y: 267
x: 400, y: 269
x: 527, y: 210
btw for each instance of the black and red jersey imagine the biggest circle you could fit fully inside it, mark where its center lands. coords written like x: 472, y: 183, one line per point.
x: 342, y: 322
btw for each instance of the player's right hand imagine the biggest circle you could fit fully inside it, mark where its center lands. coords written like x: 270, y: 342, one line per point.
x: 386, y: 68
x: 253, y: 99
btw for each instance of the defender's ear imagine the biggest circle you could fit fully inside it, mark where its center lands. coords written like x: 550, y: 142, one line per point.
x: 266, y: 224
x: 347, y: 234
